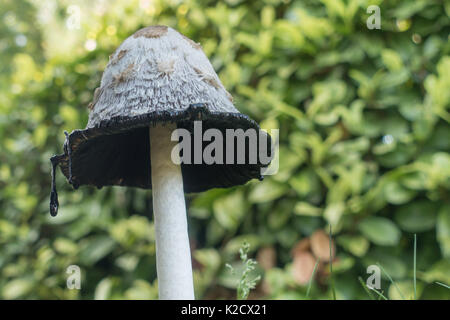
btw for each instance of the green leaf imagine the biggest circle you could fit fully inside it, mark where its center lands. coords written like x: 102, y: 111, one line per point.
x: 343, y: 263
x: 333, y: 213
x: 279, y: 217
x: 305, y: 209
x: 65, y: 246
x: 391, y: 60
x: 406, y: 288
x: 395, y: 193
x: 417, y: 216
x: 380, y: 231
x: 141, y: 290
x: 233, y: 246
x: 208, y: 257
x: 103, y: 289
x: 438, y: 272
x: 305, y: 183
x: 394, y: 265
x: 356, y: 245
x: 95, y: 248
x: 201, y: 205
x: 17, y: 288
x: 266, y: 191
x: 443, y: 230
x: 127, y: 262
x: 229, y: 210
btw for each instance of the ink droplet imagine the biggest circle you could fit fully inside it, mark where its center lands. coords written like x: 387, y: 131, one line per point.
x: 54, y: 204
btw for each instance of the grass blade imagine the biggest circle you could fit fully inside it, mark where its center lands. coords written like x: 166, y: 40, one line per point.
x: 392, y: 281
x: 366, y: 288
x: 331, y: 269
x: 443, y: 284
x: 311, y: 278
x: 415, y: 256
x: 380, y: 295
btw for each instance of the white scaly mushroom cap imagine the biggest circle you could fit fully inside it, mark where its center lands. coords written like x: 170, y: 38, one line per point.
x: 157, y: 69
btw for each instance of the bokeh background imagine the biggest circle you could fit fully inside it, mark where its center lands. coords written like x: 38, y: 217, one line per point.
x: 364, y: 148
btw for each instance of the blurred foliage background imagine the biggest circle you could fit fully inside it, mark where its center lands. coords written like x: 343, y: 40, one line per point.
x: 364, y: 147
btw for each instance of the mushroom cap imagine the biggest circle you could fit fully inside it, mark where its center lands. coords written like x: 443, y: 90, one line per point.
x: 157, y: 75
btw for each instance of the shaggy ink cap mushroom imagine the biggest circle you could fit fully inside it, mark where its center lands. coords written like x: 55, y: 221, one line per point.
x: 156, y: 76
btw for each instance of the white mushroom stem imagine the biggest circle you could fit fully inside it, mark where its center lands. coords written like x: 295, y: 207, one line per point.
x: 173, y: 255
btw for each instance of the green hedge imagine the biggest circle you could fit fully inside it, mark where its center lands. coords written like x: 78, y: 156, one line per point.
x: 364, y: 148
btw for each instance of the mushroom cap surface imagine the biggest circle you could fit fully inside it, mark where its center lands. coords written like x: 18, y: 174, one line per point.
x: 157, y: 75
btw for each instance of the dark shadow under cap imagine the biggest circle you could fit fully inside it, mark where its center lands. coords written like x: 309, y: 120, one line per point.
x: 117, y: 152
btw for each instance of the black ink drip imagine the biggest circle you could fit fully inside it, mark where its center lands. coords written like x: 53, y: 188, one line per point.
x: 69, y: 153
x: 54, y: 204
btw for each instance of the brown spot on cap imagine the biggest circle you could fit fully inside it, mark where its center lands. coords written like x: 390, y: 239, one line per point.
x: 166, y: 66
x: 208, y: 78
x: 213, y: 82
x: 121, y: 54
x: 229, y: 96
x: 151, y: 32
x: 97, y: 94
x: 121, y: 77
x: 194, y: 44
